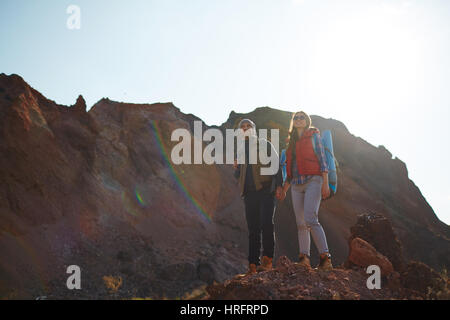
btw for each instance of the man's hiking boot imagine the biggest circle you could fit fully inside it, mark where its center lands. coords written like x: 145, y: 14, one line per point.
x: 251, y: 268
x: 304, y: 260
x: 325, y: 262
x: 266, y: 264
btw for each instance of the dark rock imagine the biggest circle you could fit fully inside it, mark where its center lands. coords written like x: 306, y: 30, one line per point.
x: 80, y: 105
x: 124, y: 256
x: 205, y: 273
x: 420, y: 277
x: 179, y: 272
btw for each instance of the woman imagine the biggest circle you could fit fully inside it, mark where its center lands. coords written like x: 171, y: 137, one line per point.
x: 307, y: 172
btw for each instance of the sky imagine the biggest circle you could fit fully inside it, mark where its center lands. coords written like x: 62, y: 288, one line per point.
x: 381, y: 67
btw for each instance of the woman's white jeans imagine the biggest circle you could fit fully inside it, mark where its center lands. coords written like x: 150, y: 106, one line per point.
x: 306, y: 202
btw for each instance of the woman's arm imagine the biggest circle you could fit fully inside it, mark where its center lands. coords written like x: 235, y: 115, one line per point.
x: 325, y: 177
x: 286, y: 186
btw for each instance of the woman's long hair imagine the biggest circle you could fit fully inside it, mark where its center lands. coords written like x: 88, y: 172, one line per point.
x: 293, y: 136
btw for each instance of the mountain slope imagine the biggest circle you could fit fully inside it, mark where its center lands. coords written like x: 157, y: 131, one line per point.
x: 97, y: 189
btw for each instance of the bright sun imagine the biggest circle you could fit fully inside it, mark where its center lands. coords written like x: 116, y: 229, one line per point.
x: 368, y: 60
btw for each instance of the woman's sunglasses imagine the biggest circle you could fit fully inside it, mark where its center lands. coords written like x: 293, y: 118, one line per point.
x: 299, y: 118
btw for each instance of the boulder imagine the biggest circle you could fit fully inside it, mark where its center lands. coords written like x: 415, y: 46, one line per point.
x: 363, y: 254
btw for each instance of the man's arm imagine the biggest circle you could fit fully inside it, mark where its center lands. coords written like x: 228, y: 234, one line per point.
x: 237, y: 169
x: 278, y: 176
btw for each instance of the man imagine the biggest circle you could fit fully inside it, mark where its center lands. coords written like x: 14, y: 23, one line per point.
x: 258, y: 192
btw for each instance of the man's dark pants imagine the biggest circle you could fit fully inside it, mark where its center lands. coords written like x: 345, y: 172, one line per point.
x: 259, y: 212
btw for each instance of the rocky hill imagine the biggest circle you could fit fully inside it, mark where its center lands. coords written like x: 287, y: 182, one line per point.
x: 97, y: 189
x: 290, y: 280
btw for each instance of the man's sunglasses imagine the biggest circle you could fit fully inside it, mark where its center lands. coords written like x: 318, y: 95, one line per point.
x: 299, y: 118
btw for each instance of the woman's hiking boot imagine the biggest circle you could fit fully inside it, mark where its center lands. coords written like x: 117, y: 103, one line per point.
x: 325, y: 262
x: 266, y: 264
x: 304, y: 260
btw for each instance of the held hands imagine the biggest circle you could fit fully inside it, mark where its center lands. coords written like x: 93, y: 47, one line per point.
x: 280, y: 193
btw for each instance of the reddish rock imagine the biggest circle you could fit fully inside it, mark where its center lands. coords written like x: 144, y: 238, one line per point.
x: 80, y: 105
x: 363, y: 254
x: 377, y: 230
x: 292, y: 281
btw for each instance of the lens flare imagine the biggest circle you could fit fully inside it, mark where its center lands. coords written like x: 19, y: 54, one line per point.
x: 128, y: 203
x: 139, y: 198
x: 174, y: 174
